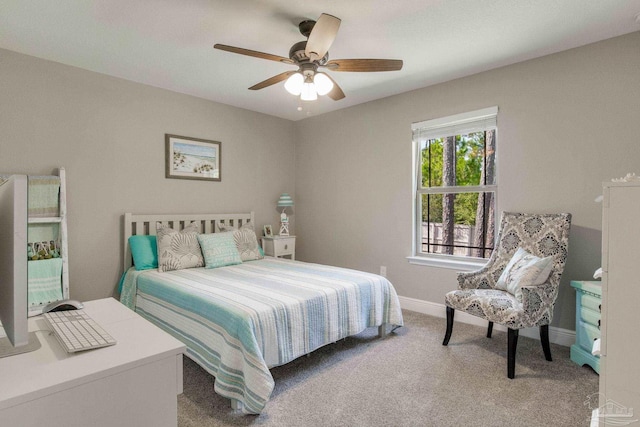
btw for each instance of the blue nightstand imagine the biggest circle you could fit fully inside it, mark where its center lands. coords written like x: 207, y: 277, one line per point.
x: 588, y: 304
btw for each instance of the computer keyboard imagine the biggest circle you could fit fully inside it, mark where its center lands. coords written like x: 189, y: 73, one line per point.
x: 76, y: 331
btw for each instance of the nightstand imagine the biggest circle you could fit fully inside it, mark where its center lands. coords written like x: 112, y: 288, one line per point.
x: 588, y: 306
x: 279, y: 246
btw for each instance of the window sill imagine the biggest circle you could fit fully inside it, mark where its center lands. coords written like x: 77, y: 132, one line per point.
x: 450, y: 262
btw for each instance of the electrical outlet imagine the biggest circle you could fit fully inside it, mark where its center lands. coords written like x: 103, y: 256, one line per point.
x: 383, y: 271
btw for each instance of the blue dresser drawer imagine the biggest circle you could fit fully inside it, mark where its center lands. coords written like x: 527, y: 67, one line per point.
x: 586, y: 334
x: 589, y: 301
x: 590, y: 316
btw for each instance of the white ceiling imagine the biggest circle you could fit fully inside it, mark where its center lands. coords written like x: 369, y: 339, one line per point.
x: 169, y: 43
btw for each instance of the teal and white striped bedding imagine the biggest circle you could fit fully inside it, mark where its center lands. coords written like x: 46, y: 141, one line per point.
x: 239, y: 321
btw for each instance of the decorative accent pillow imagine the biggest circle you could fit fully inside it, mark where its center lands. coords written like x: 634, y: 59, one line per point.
x: 144, y: 250
x: 219, y: 249
x: 178, y: 249
x: 246, y: 241
x: 524, y: 269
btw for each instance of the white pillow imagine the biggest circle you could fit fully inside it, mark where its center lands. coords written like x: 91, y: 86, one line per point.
x: 246, y: 241
x: 178, y: 249
x: 524, y: 269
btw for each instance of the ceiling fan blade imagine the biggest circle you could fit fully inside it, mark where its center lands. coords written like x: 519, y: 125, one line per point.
x: 253, y: 53
x: 272, y: 80
x: 336, y: 93
x: 322, y: 36
x: 366, y: 65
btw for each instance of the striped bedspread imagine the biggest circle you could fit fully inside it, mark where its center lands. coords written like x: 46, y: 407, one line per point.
x: 239, y: 321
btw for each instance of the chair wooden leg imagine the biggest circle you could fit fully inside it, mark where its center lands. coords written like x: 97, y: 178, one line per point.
x: 512, y: 343
x: 447, y: 335
x: 544, y: 339
x: 490, y: 330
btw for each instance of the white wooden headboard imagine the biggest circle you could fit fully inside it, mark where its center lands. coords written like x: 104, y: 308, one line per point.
x: 135, y: 224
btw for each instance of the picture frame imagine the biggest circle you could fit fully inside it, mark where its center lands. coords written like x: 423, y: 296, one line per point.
x: 192, y: 158
x: 268, y: 231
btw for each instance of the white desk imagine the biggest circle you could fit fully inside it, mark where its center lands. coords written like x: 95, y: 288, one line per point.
x: 133, y: 383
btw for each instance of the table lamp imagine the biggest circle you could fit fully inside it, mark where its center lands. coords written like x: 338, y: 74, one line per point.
x: 284, y: 201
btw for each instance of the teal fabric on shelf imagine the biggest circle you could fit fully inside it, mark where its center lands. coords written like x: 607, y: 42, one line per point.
x: 44, y: 193
x: 144, y: 250
x: 43, y: 232
x: 45, y: 281
x: 219, y: 249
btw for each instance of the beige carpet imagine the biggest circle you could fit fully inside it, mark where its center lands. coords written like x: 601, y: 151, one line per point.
x: 410, y: 379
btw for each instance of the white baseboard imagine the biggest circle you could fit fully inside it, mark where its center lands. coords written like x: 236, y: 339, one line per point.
x: 559, y: 336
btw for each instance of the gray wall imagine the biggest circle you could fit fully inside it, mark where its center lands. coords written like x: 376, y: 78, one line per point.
x: 109, y: 135
x: 566, y: 123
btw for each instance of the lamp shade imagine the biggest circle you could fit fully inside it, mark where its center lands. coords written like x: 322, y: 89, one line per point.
x: 293, y: 85
x: 285, y: 200
x: 308, y: 92
x: 323, y: 83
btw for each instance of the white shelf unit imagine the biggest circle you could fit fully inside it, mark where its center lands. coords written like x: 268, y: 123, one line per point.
x: 64, y: 254
x: 620, y: 346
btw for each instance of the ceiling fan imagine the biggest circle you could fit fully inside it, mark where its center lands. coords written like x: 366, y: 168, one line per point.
x: 310, y: 55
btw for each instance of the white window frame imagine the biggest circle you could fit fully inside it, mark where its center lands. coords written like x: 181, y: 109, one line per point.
x: 473, y: 121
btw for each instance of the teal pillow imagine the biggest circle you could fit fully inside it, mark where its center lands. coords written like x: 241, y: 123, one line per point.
x: 219, y: 249
x: 144, y: 250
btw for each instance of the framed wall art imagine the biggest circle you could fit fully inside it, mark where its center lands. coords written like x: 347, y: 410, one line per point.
x: 192, y: 158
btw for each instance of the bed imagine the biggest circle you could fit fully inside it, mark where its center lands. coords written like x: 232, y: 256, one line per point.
x: 239, y: 320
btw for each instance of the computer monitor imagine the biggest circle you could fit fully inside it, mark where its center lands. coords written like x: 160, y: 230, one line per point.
x: 13, y: 268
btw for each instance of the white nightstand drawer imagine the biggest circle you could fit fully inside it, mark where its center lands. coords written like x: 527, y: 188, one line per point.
x: 278, y: 246
x: 284, y: 246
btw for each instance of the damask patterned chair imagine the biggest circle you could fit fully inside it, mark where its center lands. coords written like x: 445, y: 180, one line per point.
x: 519, y: 284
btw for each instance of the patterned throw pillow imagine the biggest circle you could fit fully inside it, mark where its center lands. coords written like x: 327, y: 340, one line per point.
x: 246, y: 241
x: 524, y: 269
x: 219, y: 249
x: 178, y: 249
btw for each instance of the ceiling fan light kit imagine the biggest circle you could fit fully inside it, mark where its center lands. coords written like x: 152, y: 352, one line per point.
x: 311, y: 54
x: 309, y: 85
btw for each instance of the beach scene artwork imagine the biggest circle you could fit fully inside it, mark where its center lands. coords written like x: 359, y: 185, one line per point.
x: 193, y: 159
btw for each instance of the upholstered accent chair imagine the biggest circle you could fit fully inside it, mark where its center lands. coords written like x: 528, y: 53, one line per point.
x: 519, y: 284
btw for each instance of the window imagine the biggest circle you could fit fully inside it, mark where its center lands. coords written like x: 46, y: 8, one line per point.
x: 455, y: 187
